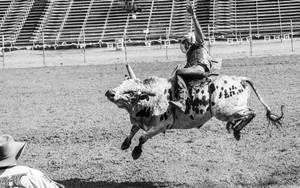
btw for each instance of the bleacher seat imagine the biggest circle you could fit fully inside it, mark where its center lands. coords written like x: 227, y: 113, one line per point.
x: 266, y: 17
x: 32, y: 22
x: 52, y: 22
x: 95, y: 22
x: 74, y: 22
x: 4, y: 4
x: 14, y: 18
x: 24, y: 22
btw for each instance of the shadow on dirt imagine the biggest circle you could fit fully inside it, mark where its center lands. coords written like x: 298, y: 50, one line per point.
x: 81, y: 183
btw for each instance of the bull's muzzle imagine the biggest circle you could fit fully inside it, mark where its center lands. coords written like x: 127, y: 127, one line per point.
x: 110, y: 94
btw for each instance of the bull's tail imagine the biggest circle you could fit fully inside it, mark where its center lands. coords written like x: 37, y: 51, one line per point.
x: 272, y: 118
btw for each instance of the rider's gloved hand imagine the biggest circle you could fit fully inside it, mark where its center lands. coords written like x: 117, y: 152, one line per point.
x: 189, y: 8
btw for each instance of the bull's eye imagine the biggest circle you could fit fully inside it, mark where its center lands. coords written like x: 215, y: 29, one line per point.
x: 130, y: 93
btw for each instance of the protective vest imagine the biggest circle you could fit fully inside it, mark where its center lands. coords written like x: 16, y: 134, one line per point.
x: 198, y: 55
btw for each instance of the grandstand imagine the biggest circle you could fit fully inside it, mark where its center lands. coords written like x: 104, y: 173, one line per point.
x: 64, y: 22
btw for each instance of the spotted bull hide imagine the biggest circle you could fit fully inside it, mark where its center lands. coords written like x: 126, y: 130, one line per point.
x: 147, y: 103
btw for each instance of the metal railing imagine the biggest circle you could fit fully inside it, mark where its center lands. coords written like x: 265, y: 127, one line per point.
x: 43, y: 22
x: 85, y: 20
x: 106, y: 19
x: 64, y: 21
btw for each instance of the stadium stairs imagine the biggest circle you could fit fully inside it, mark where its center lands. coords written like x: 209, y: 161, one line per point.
x: 52, y: 22
x: 96, y: 20
x: 137, y: 26
x: 160, y: 19
x: 115, y: 22
x: 203, y: 14
x: 14, y: 19
x: 32, y: 22
x: 4, y: 5
x: 71, y: 22
x: 232, y: 18
x: 181, y: 22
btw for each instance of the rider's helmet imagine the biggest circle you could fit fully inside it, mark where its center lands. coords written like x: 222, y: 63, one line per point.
x: 186, y: 41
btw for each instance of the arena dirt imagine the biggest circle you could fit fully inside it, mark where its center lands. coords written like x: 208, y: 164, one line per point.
x: 74, y: 133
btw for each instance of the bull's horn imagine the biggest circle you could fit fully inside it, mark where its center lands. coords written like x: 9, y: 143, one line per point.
x: 130, y: 72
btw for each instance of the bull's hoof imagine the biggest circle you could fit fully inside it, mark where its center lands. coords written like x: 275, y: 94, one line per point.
x: 125, y: 144
x: 137, y: 152
x: 237, y: 135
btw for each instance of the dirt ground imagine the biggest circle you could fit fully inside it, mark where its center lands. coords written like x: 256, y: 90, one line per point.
x: 74, y: 133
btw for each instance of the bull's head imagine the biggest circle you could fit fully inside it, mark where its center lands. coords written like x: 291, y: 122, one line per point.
x: 129, y: 92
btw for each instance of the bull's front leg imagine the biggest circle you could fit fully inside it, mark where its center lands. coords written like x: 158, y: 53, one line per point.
x: 155, y: 127
x: 126, y: 143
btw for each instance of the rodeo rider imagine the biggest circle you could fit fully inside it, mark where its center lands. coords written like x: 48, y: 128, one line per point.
x: 199, y: 62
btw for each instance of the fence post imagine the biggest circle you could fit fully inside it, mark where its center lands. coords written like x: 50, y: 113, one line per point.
x: 3, y: 64
x: 160, y: 42
x: 84, y: 55
x: 240, y: 35
x: 292, y: 38
x: 250, y: 39
x: 280, y: 20
x: 125, y: 45
x: 167, y: 39
x: 43, y: 40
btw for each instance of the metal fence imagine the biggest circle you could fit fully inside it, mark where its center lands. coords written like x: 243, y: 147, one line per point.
x: 162, y: 50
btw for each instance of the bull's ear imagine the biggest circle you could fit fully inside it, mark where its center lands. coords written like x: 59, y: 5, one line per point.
x: 126, y: 77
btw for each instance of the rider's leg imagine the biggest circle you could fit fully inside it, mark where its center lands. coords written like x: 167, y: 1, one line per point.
x: 194, y: 72
x: 190, y: 73
x: 182, y: 94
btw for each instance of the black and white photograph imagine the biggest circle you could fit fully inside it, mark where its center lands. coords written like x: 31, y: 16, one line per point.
x: 149, y: 93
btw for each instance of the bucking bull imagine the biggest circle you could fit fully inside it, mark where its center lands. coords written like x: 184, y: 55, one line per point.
x: 147, y: 102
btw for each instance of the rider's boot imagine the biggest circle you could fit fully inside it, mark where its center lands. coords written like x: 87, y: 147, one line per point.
x: 182, y: 95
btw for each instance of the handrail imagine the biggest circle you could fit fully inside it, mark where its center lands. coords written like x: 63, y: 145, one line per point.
x: 43, y: 22
x: 85, y: 19
x: 279, y: 13
x: 171, y: 17
x: 21, y: 24
x: 64, y: 21
x: 106, y: 19
x: 257, y: 17
x: 149, y: 20
x: 127, y: 23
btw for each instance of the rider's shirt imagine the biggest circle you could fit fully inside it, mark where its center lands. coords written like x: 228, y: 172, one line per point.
x: 198, y: 55
x: 23, y: 176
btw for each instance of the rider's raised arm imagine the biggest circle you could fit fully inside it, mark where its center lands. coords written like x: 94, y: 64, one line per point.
x: 198, y: 31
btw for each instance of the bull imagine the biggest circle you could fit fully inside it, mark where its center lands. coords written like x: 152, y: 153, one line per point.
x: 147, y: 102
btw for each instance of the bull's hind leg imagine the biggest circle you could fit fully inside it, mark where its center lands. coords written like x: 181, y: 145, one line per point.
x: 236, y: 119
x: 126, y: 143
x: 246, y: 117
x: 231, y: 124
